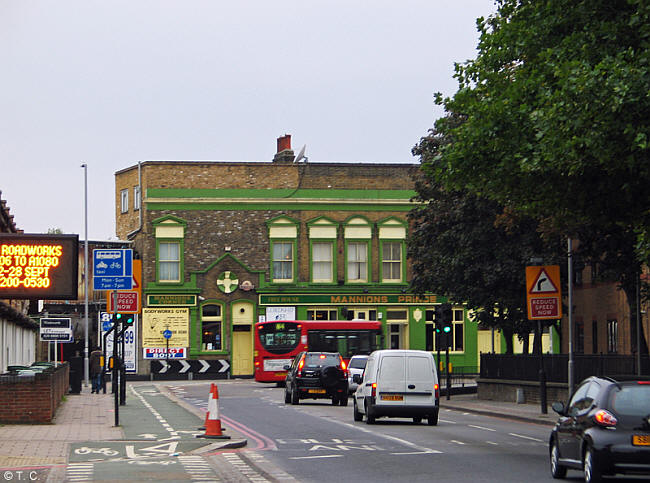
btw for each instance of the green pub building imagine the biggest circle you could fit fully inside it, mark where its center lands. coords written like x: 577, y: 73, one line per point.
x: 226, y: 244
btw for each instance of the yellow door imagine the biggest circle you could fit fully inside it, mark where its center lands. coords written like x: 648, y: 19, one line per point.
x: 242, y: 350
x: 242, y: 339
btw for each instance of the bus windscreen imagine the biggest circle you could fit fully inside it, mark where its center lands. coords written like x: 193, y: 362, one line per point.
x: 279, y: 337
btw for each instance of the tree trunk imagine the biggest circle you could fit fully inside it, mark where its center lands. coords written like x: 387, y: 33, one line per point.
x: 537, y: 341
x: 525, y: 339
x: 507, y: 335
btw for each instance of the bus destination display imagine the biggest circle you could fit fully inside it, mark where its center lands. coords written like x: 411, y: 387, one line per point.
x: 38, y: 266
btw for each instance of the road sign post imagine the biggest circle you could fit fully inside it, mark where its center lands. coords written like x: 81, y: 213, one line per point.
x: 544, y: 302
x: 113, y: 270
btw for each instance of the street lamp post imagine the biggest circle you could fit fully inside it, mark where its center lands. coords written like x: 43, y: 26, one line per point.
x: 86, y: 371
x: 570, y: 316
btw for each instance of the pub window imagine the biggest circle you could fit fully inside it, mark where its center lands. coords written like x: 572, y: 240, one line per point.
x: 211, y: 327
x: 357, y: 254
x: 283, y: 234
x: 169, y: 261
x: 321, y: 314
x: 322, y: 262
x: 391, y: 262
x: 282, y: 261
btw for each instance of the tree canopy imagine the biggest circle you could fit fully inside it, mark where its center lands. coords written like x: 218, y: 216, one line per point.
x: 471, y: 249
x: 556, y: 112
x: 550, y: 122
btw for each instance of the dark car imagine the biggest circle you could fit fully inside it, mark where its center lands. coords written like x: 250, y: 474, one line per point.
x: 604, y: 430
x: 317, y: 375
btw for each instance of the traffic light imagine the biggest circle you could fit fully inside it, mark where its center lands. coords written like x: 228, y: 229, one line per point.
x: 126, y: 319
x: 447, y: 317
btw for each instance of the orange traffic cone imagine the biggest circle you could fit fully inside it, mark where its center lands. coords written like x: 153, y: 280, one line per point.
x: 202, y: 428
x: 213, y: 420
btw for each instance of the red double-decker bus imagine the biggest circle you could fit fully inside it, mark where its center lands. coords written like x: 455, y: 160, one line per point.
x: 278, y: 341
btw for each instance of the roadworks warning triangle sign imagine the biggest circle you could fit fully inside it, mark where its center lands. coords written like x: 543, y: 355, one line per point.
x: 543, y: 284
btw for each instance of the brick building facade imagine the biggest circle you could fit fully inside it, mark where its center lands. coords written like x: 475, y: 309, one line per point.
x: 229, y: 243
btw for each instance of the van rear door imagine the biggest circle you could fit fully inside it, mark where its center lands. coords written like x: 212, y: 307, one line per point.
x: 419, y: 380
x: 391, y: 380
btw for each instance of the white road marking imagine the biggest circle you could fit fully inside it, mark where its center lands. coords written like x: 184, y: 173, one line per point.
x: 314, y: 457
x: 480, y: 427
x: 492, y: 442
x: 525, y: 437
x: 457, y: 442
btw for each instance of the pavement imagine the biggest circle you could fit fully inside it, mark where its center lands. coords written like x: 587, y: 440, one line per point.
x: 87, y: 417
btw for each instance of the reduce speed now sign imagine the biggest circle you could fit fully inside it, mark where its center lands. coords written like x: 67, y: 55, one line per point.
x: 543, y: 292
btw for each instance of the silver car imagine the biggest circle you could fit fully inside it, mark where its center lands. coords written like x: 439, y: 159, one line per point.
x: 356, y: 366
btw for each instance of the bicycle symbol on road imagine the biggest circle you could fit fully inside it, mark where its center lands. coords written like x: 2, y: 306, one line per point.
x: 102, y: 451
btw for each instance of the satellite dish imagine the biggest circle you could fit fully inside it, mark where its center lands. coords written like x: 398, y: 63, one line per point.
x: 301, y: 154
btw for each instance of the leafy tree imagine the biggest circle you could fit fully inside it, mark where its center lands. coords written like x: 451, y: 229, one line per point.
x: 54, y: 231
x: 555, y: 124
x: 470, y: 249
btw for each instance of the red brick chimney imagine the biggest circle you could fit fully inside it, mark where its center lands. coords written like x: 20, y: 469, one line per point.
x: 285, y: 153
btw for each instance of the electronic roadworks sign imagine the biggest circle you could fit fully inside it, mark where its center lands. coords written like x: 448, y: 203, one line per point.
x: 43, y: 267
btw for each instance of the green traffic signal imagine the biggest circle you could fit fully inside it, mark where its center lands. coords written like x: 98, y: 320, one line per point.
x: 127, y: 319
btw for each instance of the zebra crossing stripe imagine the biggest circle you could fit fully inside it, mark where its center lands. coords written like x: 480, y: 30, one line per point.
x: 198, y: 469
x: 80, y: 472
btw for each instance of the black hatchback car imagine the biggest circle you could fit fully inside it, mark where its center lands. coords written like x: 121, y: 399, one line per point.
x: 317, y: 375
x: 604, y: 430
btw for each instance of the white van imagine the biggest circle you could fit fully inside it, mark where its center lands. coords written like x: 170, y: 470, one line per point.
x: 398, y: 383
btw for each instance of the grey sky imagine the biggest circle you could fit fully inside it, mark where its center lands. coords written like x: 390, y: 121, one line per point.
x: 111, y: 83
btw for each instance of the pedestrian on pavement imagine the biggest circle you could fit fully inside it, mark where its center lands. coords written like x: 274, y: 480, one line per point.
x: 96, y: 370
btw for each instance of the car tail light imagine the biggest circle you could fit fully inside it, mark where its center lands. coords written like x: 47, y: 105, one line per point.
x: 344, y: 367
x: 374, y: 390
x: 436, y: 390
x: 300, y: 366
x: 643, y: 382
x: 605, y: 419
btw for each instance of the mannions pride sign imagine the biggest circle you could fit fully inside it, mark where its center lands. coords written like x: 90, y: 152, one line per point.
x: 39, y: 266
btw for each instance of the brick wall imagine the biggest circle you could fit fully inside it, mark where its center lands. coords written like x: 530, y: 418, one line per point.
x: 33, y: 400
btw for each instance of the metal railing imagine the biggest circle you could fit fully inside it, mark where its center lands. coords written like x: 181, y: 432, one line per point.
x: 525, y: 367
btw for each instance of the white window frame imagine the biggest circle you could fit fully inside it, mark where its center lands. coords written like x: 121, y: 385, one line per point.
x: 169, y: 261
x: 136, y: 198
x: 124, y: 201
x: 322, y: 265
x: 359, y: 265
x: 290, y: 261
x: 392, y: 262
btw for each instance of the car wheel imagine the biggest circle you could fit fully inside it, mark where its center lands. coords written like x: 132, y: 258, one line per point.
x: 592, y: 471
x: 417, y: 420
x: 295, y: 399
x: 557, y: 470
x: 357, y: 415
x: 287, y: 396
x: 344, y: 400
x: 432, y: 419
x: 370, y: 418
